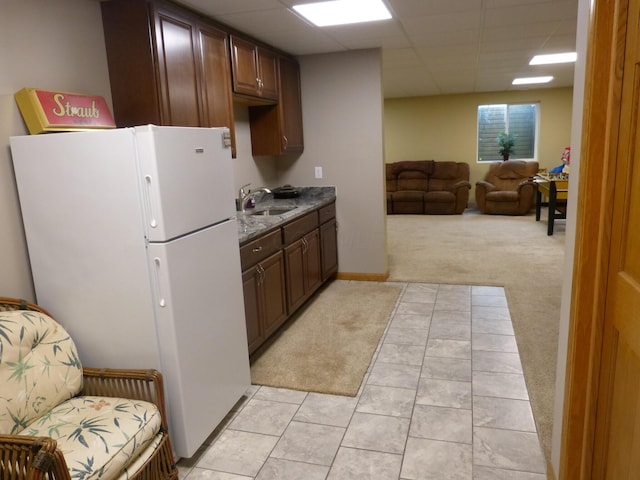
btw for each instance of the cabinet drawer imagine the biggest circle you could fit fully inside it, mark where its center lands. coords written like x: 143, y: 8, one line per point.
x: 298, y: 228
x: 327, y: 213
x: 260, y: 248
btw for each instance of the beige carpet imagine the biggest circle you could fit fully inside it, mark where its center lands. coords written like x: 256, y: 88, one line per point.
x: 329, y: 344
x: 514, y: 252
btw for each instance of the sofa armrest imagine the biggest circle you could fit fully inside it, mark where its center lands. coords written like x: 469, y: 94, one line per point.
x: 458, y: 185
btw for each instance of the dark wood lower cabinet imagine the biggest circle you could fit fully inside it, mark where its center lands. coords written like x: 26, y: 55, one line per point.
x: 304, y: 276
x: 264, y: 299
x: 284, y: 267
x: 329, y: 248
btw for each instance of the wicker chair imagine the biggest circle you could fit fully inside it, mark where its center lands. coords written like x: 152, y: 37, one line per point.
x: 38, y: 457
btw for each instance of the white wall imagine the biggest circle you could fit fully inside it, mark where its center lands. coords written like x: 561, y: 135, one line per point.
x: 342, y: 112
x: 572, y: 206
x: 54, y: 46
x: 258, y: 171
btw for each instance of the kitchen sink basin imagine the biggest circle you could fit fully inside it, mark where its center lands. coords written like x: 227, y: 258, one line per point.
x: 271, y: 211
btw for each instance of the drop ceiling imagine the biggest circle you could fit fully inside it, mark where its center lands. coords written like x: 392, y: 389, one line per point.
x: 430, y: 47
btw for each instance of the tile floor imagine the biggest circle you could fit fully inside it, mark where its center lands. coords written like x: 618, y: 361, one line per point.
x: 444, y: 398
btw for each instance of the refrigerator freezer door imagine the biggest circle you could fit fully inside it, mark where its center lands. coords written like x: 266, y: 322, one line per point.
x: 201, y: 330
x: 187, y: 179
x: 79, y: 197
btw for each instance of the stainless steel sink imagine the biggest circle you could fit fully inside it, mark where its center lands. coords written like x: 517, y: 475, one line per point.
x: 270, y: 211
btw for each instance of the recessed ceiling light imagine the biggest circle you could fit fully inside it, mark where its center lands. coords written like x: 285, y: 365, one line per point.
x: 554, y: 58
x: 531, y: 80
x: 342, y: 12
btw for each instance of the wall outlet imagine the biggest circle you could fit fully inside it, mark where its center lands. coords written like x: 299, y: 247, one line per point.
x: 318, y: 172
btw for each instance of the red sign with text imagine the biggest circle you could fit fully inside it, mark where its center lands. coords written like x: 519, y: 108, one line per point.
x: 45, y: 110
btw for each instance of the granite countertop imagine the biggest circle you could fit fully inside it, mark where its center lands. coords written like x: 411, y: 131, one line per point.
x: 251, y: 225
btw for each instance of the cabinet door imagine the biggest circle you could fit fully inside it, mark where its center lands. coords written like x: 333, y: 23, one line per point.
x: 329, y: 248
x: 252, y: 294
x: 267, y: 74
x: 179, y: 88
x: 217, y: 98
x: 277, y: 129
x: 303, y: 268
x: 274, y: 305
x: 290, y: 106
x: 294, y: 261
x: 313, y: 269
x: 265, y: 302
x: 244, y: 63
x: 254, y: 71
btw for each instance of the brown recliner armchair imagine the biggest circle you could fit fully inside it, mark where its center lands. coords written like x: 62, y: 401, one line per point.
x: 508, y: 188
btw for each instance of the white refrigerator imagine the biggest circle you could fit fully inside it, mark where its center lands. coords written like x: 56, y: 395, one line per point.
x: 134, y: 249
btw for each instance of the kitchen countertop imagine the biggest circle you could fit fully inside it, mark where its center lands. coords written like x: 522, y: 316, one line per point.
x: 251, y: 225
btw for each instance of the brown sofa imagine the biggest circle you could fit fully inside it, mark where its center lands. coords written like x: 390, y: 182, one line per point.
x: 508, y: 188
x: 427, y: 186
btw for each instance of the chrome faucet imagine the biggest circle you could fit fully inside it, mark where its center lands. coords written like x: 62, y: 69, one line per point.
x: 242, y: 193
x: 244, y: 199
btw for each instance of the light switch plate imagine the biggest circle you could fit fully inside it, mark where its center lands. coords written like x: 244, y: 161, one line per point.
x: 318, y: 172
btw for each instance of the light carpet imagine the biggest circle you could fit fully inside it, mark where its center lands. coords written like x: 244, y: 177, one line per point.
x: 514, y: 252
x: 328, y: 345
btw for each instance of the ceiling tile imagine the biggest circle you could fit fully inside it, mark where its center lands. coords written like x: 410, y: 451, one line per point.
x: 265, y: 21
x: 224, y: 7
x: 431, y: 46
x: 443, y: 23
x: 421, y: 8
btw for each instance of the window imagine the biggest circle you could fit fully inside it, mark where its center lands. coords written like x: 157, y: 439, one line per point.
x: 521, y: 120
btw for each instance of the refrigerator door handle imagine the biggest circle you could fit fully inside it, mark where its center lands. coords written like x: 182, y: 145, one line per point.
x: 161, y: 301
x: 153, y: 223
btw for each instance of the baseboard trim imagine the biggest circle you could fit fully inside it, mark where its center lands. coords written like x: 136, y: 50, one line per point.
x: 366, y: 277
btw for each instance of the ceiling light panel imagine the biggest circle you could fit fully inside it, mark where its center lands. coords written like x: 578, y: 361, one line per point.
x: 531, y: 80
x: 567, y: 57
x: 343, y: 12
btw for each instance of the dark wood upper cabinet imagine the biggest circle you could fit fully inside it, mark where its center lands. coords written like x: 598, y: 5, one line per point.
x: 167, y: 66
x: 177, y: 70
x: 217, y: 98
x: 255, y: 72
x: 277, y: 129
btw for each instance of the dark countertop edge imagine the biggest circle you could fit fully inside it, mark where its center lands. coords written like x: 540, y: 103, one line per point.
x: 253, y: 226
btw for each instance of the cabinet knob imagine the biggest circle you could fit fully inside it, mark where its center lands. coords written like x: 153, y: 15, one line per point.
x: 285, y: 142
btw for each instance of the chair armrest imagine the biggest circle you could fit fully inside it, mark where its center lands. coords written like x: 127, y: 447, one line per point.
x: 134, y: 384
x: 33, y: 458
x: 527, y: 187
x: 482, y: 188
x: 488, y: 187
x: 526, y: 194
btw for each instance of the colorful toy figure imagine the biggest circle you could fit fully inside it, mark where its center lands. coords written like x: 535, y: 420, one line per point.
x: 566, y: 160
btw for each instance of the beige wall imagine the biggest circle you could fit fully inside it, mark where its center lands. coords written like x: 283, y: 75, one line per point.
x: 342, y: 111
x: 445, y: 127
x: 51, y: 45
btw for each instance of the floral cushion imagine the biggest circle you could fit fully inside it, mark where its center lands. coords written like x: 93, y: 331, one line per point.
x: 39, y: 368
x: 99, y: 436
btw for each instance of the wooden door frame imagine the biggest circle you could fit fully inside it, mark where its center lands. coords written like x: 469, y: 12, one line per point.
x: 603, y: 87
